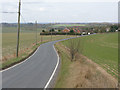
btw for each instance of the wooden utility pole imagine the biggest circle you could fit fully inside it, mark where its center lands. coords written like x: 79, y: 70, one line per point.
x: 36, y: 30
x: 18, y: 33
x: 66, y: 34
x: 75, y: 33
x: 51, y: 34
x: 41, y: 39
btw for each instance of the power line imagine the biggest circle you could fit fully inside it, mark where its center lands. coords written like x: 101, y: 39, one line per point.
x: 36, y: 30
x: 31, y: 2
x: 23, y: 18
x: 8, y: 12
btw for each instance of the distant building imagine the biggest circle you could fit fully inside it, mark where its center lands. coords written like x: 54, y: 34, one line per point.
x: 66, y: 30
x: 78, y: 31
x: 107, y: 29
x: 83, y: 33
x: 56, y: 30
x: 119, y: 29
x: 88, y: 33
x: 74, y: 30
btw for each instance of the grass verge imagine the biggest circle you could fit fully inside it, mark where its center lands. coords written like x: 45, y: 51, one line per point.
x: 21, y: 58
x: 82, y: 73
x: 27, y: 47
x: 102, y: 49
x: 65, y: 62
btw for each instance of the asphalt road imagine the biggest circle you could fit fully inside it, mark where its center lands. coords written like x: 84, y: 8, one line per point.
x: 35, y: 72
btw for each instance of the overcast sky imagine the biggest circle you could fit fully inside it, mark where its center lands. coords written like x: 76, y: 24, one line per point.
x: 61, y: 11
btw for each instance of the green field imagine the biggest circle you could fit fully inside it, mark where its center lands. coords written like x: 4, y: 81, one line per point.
x: 27, y: 45
x: 9, y: 41
x: 0, y: 45
x: 68, y: 25
x: 102, y: 49
x: 27, y: 38
x: 23, y: 29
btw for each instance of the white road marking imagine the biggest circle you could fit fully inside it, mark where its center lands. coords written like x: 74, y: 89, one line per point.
x: 53, y: 71
x: 30, y: 57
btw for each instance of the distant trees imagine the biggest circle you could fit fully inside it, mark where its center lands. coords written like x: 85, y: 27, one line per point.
x: 105, y: 28
x: 71, y: 31
x: 95, y: 31
x: 59, y: 30
x: 52, y: 30
x: 113, y: 28
x: 78, y: 30
x: 43, y: 31
x: 102, y: 29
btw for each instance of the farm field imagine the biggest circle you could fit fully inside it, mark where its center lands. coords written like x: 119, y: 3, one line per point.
x: 0, y: 45
x: 23, y: 29
x: 68, y: 25
x: 102, y: 49
x: 27, y: 45
x: 9, y: 41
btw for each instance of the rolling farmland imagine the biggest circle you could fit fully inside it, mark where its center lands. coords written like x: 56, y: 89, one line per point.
x: 102, y: 49
x: 27, y: 43
x: 68, y: 25
x: 26, y: 40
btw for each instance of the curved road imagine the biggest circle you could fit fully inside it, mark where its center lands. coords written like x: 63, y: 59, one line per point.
x: 35, y: 72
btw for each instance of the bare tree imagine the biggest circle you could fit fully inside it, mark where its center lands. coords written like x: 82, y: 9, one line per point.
x: 75, y: 47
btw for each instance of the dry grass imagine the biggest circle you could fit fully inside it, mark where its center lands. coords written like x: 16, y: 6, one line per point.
x: 27, y: 46
x: 22, y: 51
x: 102, y: 49
x: 84, y: 73
x: 27, y: 42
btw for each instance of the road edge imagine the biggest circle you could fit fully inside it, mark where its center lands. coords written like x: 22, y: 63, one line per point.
x: 21, y: 61
x: 54, y: 71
